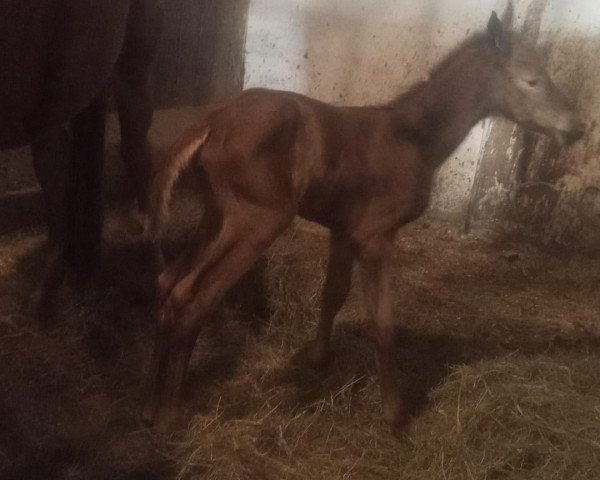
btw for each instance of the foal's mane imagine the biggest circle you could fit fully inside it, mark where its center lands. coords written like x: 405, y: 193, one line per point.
x: 475, y: 41
x: 412, y: 105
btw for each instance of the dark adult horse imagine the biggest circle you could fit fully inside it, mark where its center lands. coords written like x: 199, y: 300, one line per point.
x: 57, y: 59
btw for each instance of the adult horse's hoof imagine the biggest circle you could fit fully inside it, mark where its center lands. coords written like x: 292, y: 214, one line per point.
x: 47, y: 313
x: 148, y: 414
x: 136, y: 223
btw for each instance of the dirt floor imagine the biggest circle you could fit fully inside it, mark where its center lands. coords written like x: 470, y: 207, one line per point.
x: 498, y: 349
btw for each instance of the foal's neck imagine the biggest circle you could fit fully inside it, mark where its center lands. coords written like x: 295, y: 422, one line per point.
x: 439, y: 113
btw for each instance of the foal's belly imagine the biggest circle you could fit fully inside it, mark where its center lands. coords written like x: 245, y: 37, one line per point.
x: 333, y: 213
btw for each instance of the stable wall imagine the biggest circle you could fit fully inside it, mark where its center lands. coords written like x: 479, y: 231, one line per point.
x: 355, y: 52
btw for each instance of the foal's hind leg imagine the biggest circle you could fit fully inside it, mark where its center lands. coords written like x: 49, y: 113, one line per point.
x: 176, y: 285
x: 335, y: 292
x: 248, y: 244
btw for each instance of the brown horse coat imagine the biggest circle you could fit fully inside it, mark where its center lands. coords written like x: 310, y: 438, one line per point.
x: 362, y: 172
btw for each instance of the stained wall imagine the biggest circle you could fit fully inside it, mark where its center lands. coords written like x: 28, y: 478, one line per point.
x: 356, y: 52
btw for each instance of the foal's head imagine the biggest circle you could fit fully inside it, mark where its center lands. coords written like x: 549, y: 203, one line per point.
x: 521, y: 88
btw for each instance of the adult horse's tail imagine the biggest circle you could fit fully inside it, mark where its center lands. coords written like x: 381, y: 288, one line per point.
x: 177, y: 158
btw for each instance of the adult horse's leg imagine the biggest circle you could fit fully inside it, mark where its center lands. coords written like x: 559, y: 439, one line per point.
x: 132, y: 94
x: 51, y: 160
x: 84, y: 190
x: 69, y: 169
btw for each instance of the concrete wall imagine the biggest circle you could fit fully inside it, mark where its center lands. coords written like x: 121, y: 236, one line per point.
x: 367, y: 51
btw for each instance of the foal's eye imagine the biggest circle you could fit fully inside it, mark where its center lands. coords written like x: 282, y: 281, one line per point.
x: 532, y: 83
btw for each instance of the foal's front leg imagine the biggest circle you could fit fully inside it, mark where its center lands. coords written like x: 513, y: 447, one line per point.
x: 335, y: 292
x: 374, y: 267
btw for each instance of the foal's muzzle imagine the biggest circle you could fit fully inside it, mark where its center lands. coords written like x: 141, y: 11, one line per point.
x: 567, y: 137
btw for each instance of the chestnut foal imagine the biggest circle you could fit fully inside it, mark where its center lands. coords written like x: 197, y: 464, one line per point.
x: 363, y: 172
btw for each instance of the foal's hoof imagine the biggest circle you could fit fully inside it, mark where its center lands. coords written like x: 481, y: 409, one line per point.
x: 396, y: 417
x: 318, y: 357
x: 167, y: 421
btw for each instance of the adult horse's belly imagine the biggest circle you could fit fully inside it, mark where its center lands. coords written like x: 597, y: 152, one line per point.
x: 55, y: 58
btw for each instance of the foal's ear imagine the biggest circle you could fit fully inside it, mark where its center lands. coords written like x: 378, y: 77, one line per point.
x: 507, y: 15
x: 498, y: 37
x: 495, y: 31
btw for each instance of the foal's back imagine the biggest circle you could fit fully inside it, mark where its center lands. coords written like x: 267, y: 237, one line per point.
x: 335, y: 162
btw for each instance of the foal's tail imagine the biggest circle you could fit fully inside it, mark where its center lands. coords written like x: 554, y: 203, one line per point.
x: 177, y: 158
